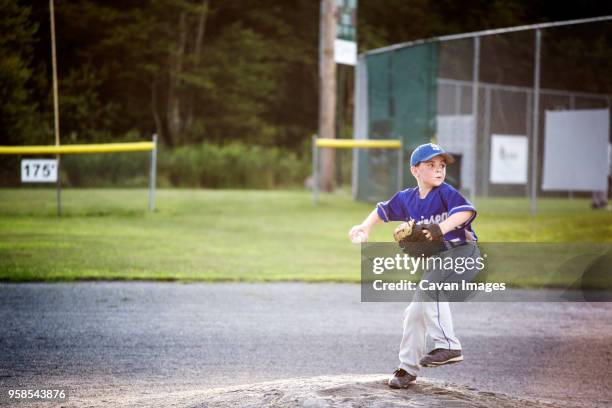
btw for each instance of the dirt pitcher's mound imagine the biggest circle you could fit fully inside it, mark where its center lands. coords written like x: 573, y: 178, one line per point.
x: 351, y: 391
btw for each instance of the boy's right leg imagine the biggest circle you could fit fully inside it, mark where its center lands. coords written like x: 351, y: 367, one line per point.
x: 411, y: 348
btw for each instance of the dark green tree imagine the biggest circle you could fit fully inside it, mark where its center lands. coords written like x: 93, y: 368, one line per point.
x: 20, y: 121
x: 219, y: 70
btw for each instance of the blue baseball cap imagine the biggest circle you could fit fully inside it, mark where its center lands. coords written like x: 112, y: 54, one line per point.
x: 428, y: 151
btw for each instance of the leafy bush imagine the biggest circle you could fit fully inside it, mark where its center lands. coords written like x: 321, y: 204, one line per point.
x: 234, y: 165
x: 105, y: 169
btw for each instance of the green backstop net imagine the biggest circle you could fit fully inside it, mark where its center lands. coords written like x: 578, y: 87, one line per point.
x: 397, y: 100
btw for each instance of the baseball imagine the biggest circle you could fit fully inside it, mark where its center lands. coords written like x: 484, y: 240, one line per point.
x: 358, y: 237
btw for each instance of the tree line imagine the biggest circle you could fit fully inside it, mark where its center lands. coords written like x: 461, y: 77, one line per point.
x: 214, y: 71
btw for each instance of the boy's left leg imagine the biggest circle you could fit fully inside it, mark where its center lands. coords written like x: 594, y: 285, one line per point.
x: 439, y: 322
x: 437, y: 313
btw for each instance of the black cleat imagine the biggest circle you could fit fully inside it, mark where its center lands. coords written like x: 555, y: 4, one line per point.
x: 440, y: 357
x: 401, y: 379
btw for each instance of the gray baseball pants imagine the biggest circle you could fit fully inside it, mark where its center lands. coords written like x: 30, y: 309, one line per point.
x: 429, y: 314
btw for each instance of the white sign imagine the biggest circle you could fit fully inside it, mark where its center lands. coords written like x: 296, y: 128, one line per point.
x: 39, y: 171
x: 345, y: 52
x: 508, y: 164
x: 576, y: 150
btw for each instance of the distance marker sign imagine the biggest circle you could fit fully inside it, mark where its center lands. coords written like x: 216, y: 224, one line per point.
x: 39, y: 171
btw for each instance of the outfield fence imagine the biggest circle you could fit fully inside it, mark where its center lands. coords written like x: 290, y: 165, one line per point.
x: 75, y: 149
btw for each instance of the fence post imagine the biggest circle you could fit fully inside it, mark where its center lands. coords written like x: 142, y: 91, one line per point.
x: 475, y: 77
x: 487, y: 143
x: 153, y: 174
x: 536, y: 123
x: 528, y: 131
x: 58, y: 187
x: 315, y: 170
x: 400, y: 168
x: 458, y: 96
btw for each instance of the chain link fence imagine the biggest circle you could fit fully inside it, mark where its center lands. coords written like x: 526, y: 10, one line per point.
x: 525, y: 109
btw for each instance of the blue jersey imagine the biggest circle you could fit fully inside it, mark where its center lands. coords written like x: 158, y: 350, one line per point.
x: 440, y: 203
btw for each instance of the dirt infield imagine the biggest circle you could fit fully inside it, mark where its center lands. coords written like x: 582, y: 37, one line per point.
x: 196, y: 345
x: 368, y: 391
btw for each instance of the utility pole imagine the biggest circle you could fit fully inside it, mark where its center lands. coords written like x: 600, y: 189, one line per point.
x: 327, y: 89
x: 55, y: 104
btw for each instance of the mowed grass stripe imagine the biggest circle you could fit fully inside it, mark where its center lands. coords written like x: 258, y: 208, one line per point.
x: 227, y: 235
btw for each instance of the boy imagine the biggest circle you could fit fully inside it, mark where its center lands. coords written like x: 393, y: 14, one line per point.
x: 446, y: 216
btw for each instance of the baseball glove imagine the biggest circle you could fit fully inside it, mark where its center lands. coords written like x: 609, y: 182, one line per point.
x: 408, y: 232
x: 411, y: 238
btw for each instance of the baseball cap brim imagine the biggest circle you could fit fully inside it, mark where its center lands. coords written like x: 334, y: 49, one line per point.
x: 449, y: 159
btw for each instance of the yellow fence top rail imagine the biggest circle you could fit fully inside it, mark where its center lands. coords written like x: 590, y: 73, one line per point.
x: 359, y: 143
x: 79, y: 148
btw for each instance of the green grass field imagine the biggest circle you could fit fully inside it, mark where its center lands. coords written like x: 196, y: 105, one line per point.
x: 213, y: 235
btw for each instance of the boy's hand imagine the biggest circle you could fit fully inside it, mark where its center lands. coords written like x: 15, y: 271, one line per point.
x: 433, y: 232
x: 358, y: 234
